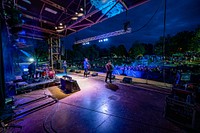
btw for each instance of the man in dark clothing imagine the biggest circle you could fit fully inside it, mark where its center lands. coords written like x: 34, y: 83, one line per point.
x: 32, y: 69
x: 109, y: 70
x: 86, y: 66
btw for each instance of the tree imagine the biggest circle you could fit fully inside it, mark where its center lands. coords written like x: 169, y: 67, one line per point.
x: 41, y: 51
x: 195, y: 41
x: 148, y: 49
x: 169, y: 46
x: 121, y: 51
x: 136, y: 49
x: 181, y: 41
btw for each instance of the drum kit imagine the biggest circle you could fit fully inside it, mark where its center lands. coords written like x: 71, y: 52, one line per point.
x: 46, y: 73
x: 42, y: 73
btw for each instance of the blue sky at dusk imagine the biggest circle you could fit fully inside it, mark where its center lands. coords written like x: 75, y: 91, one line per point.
x: 181, y: 15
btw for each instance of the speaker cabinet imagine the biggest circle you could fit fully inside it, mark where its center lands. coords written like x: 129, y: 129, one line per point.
x: 127, y: 80
x: 69, y: 85
x: 94, y: 74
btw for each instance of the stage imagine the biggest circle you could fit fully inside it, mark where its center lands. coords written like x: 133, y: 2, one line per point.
x: 97, y: 107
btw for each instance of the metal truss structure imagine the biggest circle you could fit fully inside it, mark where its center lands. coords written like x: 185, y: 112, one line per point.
x: 54, y: 50
x: 110, y: 34
x: 42, y: 16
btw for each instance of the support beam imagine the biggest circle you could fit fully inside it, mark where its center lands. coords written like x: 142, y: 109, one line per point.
x: 31, y: 27
x: 38, y: 19
x: 124, y: 5
x: 81, y: 25
x: 110, y: 34
x: 42, y: 9
x: 89, y: 20
x: 41, y: 13
x: 65, y: 12
x: 71, y: 29
x: 34, y: 35
x: 54, y: 5
x: 138, y: 4
x: 88, y: 15
x: 106, y: 12
x: 54, y: 50
x: 31, y: 37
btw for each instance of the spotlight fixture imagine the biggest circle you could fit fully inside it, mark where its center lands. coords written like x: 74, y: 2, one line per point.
x: 103, y: 40
x: 60, y: 27
x: 74, y: 18
x: 80, y: 14
x: 31, y: 59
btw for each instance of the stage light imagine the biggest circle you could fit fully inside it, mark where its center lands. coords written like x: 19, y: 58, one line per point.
x: 31, y: 59
x: 105, y: 7
x: 27, y: 1
x: 86, y: 43
x: 25, y: 69
x: 60, y: 27
x: 81, y: 9
x: 74, y: 18
x: 80, y: 14
x: 50, y: 10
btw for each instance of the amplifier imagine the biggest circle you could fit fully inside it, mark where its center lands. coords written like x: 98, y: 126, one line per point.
x: 127, y: 80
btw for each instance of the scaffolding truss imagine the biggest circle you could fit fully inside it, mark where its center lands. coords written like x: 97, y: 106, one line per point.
x: 54, y: 50
x: 110, y: 34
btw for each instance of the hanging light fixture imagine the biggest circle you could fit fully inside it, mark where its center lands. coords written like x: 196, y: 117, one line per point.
x: 60, y: 27
x: 80, y: 14
x: 74, y: 18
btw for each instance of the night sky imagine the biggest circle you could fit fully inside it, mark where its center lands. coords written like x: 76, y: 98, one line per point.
x: 181, y: 15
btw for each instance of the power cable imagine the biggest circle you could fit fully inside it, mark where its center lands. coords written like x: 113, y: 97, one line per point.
x: 149, y: 19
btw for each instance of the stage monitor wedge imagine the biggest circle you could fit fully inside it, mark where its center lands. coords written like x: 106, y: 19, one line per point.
x: 127, y: 80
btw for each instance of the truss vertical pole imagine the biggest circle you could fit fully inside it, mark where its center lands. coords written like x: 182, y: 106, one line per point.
x: 54, y: 50
x: 50, y: 52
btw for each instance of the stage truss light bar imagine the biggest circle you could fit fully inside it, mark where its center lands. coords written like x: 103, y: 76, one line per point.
x: 109, y: 8
x: 50, y: 10
x: 110, y: 34
x: 27, y: 1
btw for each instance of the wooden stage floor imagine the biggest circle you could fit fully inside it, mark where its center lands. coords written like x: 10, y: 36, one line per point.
x: 97, y: 108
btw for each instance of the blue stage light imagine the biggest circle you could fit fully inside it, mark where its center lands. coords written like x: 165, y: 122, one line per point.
x: 27, y: 54
x: 22, y: 32
x: 106, y: 5
x: 31, y: 59
x: 86, y: 43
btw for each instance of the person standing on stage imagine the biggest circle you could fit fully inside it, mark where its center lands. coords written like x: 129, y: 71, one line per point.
x: 109, y: 70
x: 32, y: 69
x: 86, y: 66
x: 65, y: 67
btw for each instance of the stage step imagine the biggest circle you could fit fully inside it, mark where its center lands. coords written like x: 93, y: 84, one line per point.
x: 35, y: 86
x: 33, y: 105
